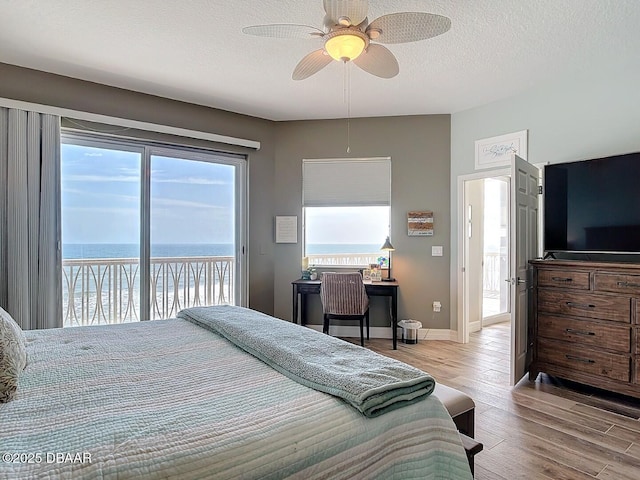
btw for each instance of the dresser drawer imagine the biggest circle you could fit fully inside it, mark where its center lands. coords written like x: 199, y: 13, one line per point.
x: 604, y: 307
x: 585, y: 360
x: 563, y: 278
x: 616, y: 283
x: 585, y: 332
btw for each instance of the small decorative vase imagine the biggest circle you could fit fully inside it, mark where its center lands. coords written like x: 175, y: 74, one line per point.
x: 313, y: 276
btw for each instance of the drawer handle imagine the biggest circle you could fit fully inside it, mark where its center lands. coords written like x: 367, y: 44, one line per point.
x: 580, y: 305
x: 579, y: 332
x: 628, y: 284
x: 579, y: 359
x: 561, y: 279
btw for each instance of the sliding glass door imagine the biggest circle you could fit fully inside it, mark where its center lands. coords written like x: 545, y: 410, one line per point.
x: 193, y: 233
x: 101, y: 208
x: 148, y: 230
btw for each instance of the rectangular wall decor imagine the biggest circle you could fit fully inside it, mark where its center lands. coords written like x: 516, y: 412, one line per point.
x: 286, y: 229
x: 420, y: 224
x: 496, y: 151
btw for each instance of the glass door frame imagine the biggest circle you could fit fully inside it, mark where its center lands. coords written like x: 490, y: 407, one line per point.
x: 240, y: 213
x: 147, y: 149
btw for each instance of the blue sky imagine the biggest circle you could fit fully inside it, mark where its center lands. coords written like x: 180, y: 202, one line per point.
x: 191, y: 202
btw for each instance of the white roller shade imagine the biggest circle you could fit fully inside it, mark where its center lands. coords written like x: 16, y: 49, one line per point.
x: 346, y: 182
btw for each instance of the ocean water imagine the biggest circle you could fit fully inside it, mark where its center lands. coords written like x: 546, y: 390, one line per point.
x: 132, y: 250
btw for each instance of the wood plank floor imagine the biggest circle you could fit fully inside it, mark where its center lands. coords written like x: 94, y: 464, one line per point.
x: 548, y: 430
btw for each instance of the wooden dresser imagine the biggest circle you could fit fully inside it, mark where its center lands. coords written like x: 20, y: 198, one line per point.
x: 586, y: 323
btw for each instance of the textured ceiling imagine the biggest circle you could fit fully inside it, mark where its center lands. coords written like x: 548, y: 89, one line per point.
x: 194, y: 50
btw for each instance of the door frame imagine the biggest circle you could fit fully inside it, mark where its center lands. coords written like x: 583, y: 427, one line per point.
x: 462, y: 280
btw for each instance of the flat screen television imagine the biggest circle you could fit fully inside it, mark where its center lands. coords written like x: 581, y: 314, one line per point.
x: 593, y: 206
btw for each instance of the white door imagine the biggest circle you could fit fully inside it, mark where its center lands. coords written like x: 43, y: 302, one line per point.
x: 524, y: 247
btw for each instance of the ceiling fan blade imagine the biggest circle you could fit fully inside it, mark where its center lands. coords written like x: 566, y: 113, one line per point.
x: 284, y: 30
x: 354, y: 10
x: 312, y: 63
x: 379, y: 61
x: 407, y: 27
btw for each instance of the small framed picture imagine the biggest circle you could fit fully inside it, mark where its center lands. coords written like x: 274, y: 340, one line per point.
x: 366, y: 274
x: 376, y: 273
x: 420, y: 224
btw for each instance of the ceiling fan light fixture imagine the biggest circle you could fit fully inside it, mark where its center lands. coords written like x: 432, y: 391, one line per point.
x: 346, y: 45
x: 347, y: 34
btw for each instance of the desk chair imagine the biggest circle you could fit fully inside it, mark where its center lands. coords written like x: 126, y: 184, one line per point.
x: 344, y: 297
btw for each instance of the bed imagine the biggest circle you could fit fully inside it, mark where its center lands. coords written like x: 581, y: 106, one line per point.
x: 178, y: 399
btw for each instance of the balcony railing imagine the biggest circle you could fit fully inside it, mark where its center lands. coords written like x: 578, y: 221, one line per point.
x: 344, y: 259
x: 495, y: 264
x: 107, y: 291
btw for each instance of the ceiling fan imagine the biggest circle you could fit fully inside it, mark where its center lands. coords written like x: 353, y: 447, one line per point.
x: 348, y: 36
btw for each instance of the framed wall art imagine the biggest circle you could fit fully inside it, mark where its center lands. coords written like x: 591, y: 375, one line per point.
x: 286, y: 229
x: 420, y: 224
x: 496, y: 151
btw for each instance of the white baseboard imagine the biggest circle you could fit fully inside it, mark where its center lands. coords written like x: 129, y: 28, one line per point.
x: 438, y: 334
x: 492, y: 320
x: 385, y: 332
x: 475, y: 326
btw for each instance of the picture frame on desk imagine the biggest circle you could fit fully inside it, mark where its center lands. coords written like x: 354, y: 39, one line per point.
x: 366, y: 274
x: 375, y: 274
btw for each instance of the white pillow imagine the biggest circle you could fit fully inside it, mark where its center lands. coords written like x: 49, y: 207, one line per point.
x: 13, y: 356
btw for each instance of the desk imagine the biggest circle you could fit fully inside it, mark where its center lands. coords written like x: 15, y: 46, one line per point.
x: 302, y: 288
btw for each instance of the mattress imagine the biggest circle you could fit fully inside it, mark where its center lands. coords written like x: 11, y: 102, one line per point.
x: 169, y: 399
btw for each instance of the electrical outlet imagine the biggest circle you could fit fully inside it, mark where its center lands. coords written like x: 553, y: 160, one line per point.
x: 437, y: 306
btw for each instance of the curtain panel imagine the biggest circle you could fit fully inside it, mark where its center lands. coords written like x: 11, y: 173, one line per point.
x: 30, y: 255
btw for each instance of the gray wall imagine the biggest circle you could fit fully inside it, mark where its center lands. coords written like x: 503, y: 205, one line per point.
x: 48, y: 89
x: 594, y: 114
x: 419, y: 151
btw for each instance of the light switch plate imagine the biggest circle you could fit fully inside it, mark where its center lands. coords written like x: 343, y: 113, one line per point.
x: 436, y: 251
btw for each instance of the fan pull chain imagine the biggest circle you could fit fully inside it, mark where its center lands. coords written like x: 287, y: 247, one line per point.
x: 347, y: 99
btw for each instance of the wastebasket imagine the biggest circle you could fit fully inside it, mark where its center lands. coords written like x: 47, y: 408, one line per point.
x: 410, y: 330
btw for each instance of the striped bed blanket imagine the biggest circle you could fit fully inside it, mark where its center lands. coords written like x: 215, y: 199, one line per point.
x: 169, y: 399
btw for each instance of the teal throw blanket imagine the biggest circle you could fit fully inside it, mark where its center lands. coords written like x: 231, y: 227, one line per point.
x: 372, y: 383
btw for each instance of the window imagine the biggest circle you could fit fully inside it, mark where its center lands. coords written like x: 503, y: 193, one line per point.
x: 346, y: 210
x: 148, y: 229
